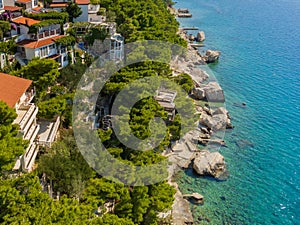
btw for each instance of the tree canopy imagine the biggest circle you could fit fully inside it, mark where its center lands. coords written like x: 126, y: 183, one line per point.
x: 73, y: 10
x: 43, y: 72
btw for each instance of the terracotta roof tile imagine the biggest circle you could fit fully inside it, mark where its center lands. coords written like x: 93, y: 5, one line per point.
x: 39, y: 43
x: 82, y: 2
x: 37, y: 8
x: 12, y: 8
x: 12, y: 88
x: 23, y: 1
x: 25, y: 21
x: 57, y: 5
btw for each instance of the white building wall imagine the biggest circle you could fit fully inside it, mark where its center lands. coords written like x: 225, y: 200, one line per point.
x: 2, y: 60
x: 30, y: 53
x: 84, y: 17
x: 8, y: 2
x: 24, y: 29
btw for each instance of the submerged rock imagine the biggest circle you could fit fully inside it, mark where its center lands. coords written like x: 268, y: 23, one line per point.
x: 244, y: 143
x: 195, y: 197
x: 210, y: 164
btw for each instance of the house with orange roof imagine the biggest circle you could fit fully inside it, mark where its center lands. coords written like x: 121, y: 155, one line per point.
x: 18, y: 94
x: 39, y: 44
x: 58, y: 5
x: 89, y: 12
x: 28, y: 4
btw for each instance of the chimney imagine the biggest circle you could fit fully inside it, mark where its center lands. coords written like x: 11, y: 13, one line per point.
x: 26, y: 21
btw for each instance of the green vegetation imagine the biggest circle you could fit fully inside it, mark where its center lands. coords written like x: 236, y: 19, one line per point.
x: 73, y: 10
x: 11, y: 146
x: 140, y: 20
x: 66, y: 41
x: 84, y: 196
x: 185, y: 81
x: 43, y: 72
x: 34, y: 28
x: 95, y: 2
x: 4, y: 27
x: 96, y: 32
x: 62, y: 16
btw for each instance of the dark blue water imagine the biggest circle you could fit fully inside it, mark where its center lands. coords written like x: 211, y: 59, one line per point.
x: 259, y: 65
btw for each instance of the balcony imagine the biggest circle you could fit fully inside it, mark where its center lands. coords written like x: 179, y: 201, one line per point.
x: 48, y: 131
x: 29, y: 158
x: 26, y: 115
x: 93, y: 8
x: 32, y: 133
x: 48, y: 33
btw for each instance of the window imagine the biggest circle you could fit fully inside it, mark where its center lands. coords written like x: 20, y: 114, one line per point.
x: 65, y: 58
x: 43, y: 51
x: 52, y: 46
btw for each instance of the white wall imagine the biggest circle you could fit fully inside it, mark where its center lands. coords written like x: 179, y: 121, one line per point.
x: 8, y: 2
x: 30, y: 53
x: 84, y: 17
x: 2, y: 60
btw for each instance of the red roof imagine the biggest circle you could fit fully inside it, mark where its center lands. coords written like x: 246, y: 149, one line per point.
x: 25, y: 21
x: 23, y: 1
x: 37, y: 8
x: 82, y: 2
x: 39, y: 43
x: 12, y: 8
x: 12, y: 88
x: 58, y: 5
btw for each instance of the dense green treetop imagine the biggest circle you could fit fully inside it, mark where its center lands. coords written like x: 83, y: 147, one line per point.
x: 73, y: 10
x: 43, y: 72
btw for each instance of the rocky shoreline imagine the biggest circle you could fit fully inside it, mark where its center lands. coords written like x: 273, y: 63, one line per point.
x: 214, y: 120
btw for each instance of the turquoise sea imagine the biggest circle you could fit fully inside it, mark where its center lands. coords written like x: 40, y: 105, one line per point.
x: 259, y: 65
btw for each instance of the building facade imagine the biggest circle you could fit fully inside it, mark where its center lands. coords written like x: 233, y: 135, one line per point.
x: 40, y: 44
x: 18, y: 94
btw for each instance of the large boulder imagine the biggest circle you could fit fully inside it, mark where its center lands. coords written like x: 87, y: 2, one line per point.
x: 214, y: 93
x: 210, y: 164
x: 223, y: 111
x: 198, y: 93
x: 200, y: 36
x: 215, y: 122
x: 211, y: 56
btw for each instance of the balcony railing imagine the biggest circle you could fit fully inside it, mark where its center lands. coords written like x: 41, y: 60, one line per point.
x: 48, y: 33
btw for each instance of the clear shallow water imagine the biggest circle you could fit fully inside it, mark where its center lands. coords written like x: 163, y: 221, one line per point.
x: 259, y: 65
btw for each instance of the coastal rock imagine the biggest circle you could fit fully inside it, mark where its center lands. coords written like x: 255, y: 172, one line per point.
x: 200, y: 36
x: 210, y: 163
x: 191, y: 37
x: 214, y: 93
x: 215, y: 122
x: 223, y: 111
x: 211, y: 56
x: 181, y: 213
x: 198, y: 93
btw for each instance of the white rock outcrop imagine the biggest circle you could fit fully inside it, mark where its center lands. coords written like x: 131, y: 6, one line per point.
x: 200, y: 36
x: 211, y: 56
x: 209, y: 163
